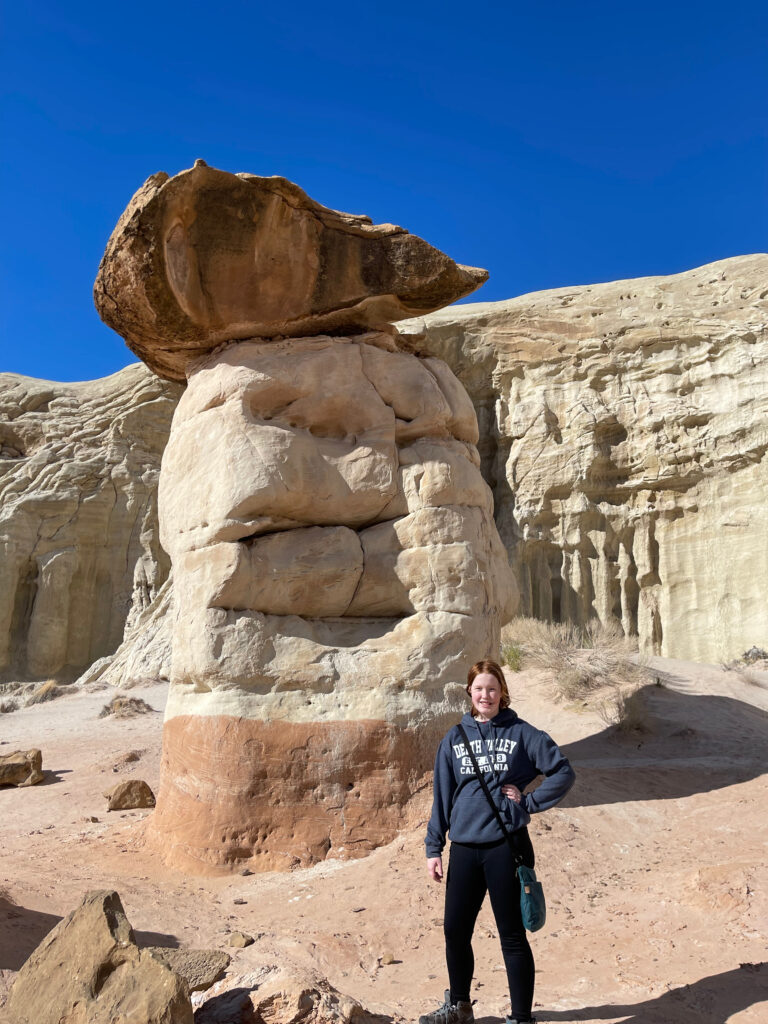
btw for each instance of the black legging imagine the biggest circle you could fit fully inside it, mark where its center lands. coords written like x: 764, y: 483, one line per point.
x: 474, y: 870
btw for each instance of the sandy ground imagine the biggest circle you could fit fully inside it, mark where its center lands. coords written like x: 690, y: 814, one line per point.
x: 654, y: 866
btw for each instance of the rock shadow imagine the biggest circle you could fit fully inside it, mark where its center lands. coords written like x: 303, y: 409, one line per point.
x: 54, y: 775
x: 690, y: 744
x: 144, y: 939
x: 21, y: 932
x: 713, y: 1000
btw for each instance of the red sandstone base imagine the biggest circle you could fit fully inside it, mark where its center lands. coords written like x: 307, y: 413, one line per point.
x: 272, y: 796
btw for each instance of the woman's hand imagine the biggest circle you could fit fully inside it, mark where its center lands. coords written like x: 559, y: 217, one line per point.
x: 435, y: 868
x: 512, y: 792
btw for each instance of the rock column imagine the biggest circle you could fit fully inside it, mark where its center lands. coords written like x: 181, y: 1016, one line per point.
x: 336, y: 566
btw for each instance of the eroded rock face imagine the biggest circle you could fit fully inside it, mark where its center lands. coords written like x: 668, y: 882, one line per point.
x: 336, y: 570
x: 89, y: 969
x: 206, y: 257
x: 624, y: 432
x: 79, y: 548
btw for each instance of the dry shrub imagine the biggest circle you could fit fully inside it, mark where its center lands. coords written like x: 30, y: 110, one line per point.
x: 7, y: 706
x: 624, y: 708
x: 126, y: 707
x: 49, y: 690
x: 590, y: 665
x: 580, y: 659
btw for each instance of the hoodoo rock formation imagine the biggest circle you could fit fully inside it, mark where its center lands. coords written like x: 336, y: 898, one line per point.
x: 79, y: 549
x: 336, y: 563
x: 624, y: 433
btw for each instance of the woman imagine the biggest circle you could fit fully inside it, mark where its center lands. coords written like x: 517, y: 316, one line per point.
x: 511, y: 754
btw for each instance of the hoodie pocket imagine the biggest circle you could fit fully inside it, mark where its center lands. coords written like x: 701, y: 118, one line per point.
x: 515, y: 815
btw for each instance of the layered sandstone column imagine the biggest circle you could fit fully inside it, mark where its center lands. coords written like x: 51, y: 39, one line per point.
x: 335, y: 559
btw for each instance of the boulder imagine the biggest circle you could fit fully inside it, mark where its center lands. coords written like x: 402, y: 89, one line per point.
x: 623, y: 432
x: 200, y: 968
x: 21, y: 768
x: 129, y: 795
x: 282, y: 995
x: 89, y: 970
x: 207, y: 257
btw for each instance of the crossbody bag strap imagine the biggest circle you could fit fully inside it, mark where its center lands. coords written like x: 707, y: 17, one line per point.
x: 507, y: 835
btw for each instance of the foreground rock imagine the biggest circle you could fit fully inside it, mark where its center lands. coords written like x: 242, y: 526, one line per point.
x: 207, y: 257
x: 623, y: 431
x: 200, y: 968
x: 282, y: 996
x: 79, y: 551
x: 89, y: 970
x: 130, y: 795
x: 21, y: 768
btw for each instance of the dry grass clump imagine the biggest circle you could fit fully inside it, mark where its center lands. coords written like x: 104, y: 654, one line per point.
x: 589, y: 665
x: 624, y: 708
x: 126, y: 707
x: 7, y: 706
x: 46, y: 691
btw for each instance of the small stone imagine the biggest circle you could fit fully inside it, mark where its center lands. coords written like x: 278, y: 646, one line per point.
x: 357, y: 910
x: 386, y: 958
x: 240, y: 940
x: 127, y: 796
x: 246, y: 871
x: 240, y: 902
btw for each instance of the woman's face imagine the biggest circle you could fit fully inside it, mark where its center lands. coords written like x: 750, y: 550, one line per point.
x: 485, y: 693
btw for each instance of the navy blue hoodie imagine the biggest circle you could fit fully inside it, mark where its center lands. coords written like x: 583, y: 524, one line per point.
x: 508, y: 750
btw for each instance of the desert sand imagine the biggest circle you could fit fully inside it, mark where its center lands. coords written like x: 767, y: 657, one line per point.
x: 654, y: 865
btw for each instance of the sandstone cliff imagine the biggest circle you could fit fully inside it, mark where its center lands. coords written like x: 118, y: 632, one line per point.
x: 624, y: 428
x: 79, y: 549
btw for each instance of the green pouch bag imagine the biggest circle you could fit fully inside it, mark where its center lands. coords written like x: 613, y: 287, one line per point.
x: 532, y: 903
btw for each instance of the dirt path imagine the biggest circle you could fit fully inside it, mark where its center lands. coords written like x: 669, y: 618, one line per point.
x: 654, y: 866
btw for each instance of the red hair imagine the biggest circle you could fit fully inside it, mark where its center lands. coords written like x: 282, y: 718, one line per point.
x: 492, y: 669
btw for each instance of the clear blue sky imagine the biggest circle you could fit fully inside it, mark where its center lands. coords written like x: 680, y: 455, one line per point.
x: 552, y: 143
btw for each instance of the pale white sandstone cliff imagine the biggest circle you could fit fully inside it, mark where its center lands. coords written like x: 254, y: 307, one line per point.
x: 79, y: 550
x: 624, y: 430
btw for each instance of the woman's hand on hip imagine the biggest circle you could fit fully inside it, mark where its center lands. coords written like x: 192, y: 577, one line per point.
x: 512, y: 792
x: 435, y: 868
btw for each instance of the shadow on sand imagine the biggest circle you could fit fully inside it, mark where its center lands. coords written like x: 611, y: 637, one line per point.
x: 21, y: 932
x: 692, y: 744
x: 711, y: 1000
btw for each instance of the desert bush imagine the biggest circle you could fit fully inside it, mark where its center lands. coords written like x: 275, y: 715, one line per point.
x: 512, y: 655
x: 7, y: 706
x: 580, y: 659
x: 624, y: 708
x: 125, y: 707
x: 49, y: 690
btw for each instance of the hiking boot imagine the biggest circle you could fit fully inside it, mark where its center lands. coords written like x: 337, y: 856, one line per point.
x: 449, y: 1013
